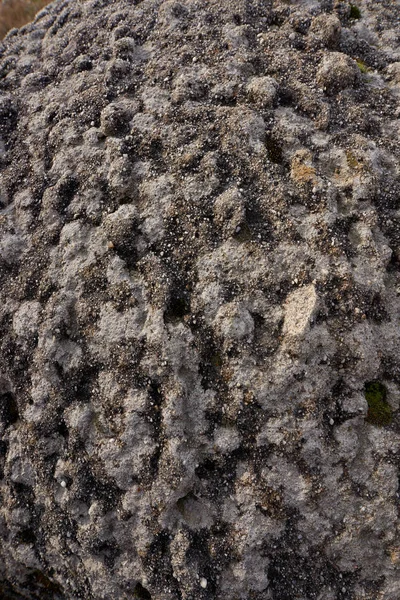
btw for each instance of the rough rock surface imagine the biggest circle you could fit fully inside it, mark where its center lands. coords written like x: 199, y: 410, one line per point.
x: 200, y: 301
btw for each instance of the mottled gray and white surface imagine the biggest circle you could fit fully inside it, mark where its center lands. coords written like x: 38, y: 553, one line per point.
x: 199, y: 274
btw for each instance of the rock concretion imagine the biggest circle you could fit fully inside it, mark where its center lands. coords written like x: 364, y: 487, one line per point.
x: 200, y: 301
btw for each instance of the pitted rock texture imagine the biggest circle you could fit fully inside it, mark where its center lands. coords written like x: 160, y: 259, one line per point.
x: 200, y: 301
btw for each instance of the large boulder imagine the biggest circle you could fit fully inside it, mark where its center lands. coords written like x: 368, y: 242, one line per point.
x: 200, y: 301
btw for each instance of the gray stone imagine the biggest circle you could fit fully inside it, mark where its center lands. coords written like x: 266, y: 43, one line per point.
x: 199, y: 274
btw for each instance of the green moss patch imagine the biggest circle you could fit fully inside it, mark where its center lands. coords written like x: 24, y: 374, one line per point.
x: 379, y: 410
x: 355, y: 12
x: 362, y: 66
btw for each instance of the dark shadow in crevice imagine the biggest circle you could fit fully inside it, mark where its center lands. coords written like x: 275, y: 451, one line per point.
x: 8, y: 409
x: 141, y: 593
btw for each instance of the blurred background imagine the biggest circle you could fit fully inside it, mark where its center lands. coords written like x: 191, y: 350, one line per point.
x: 15, y: 13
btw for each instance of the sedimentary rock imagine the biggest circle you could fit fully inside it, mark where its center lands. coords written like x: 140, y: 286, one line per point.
x: 200, y: 301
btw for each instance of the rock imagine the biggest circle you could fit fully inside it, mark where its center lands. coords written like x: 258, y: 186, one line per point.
x: 300, y: 308
x: 229, y: 212
x: 337, y: 72
x: 325, y: 31
x: 263, y: 90
x: 200, y: 301
x: 114, y: 119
